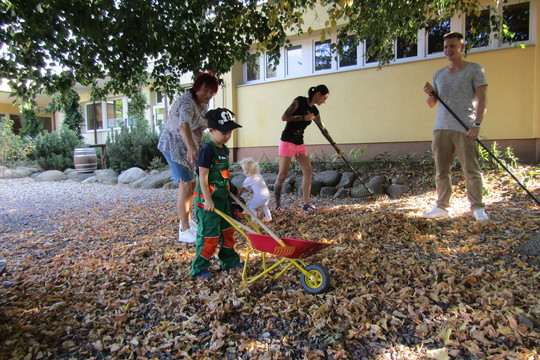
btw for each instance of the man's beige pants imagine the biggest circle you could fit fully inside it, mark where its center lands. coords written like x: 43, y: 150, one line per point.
x: 445, y: 144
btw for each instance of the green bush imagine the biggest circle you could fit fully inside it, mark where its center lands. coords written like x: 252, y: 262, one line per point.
x: 54, y: 150
x: 13, y: 148
x: 133, y: 147
x: 31, y: 125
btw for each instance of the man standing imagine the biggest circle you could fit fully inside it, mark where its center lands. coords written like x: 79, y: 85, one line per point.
x: 463, y: 86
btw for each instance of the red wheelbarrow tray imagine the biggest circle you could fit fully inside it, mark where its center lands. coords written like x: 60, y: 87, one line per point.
x: 302, y: 248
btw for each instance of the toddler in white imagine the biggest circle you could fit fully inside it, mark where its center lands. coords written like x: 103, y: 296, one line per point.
x: 255, y: 182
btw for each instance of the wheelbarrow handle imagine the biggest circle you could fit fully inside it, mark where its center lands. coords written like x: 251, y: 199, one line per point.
x: 257, y: 220
x: 231, y: 220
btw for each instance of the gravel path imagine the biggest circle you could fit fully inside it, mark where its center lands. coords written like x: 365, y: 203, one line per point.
x: 26, y: 203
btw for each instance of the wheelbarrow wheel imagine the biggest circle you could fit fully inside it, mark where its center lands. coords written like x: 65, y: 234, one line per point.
x: 319, y: 280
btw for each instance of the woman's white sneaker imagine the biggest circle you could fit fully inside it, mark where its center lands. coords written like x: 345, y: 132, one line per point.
x: 436, y: 212
x: 187, y: 236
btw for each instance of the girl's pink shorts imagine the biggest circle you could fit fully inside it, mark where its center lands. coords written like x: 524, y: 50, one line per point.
x: 290, y: 149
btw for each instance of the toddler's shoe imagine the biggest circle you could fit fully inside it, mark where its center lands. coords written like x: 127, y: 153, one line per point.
x: 309, y: 207
x: 281, y: 208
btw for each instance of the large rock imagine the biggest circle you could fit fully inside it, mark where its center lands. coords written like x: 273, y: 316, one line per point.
x: 347, y: 180
x: 269, y: 178
x: 238, y: 180
x: 77, y: 176
x: 130, y: 175
x: 397, y: 190
x: 153, y: 181
x: 19, y: 172
x: 328, y: 177
x: 50, y: 175
x: 328, y: 191
x: 107, y: 176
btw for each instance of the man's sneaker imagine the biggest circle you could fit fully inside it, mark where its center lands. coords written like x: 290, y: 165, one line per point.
x: 187, y: 236
x: 436, y: 212
x: 309, y: 207
x: 204, y: 275
x: 480, y: 214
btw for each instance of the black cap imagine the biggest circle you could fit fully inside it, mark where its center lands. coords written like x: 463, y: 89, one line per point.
x: 221, y: 119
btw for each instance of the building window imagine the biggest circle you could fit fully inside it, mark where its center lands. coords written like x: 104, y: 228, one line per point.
x: 94, y: 116
x: 406, y: 49
x: 435, y: 34
x: 159, y: 97
x: 372, y: 58
x: 106, y: 114
x: 517, y: 17
x: 350, y: 53
x: 309, y: 56
x: 294, y: 60
x: 271, y: 67
x: 478, y: 29
x: 323, y: 55
x: 115, y: 113
x: 254, y: 68
x: 47, y: 123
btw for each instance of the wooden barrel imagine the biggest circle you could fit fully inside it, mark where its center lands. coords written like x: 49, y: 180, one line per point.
x: 85, y: 160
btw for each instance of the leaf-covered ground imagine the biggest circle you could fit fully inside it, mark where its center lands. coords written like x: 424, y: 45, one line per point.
x: 102, y: 277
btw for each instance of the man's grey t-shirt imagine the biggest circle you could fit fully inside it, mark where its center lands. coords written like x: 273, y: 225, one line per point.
x: 457, y: 91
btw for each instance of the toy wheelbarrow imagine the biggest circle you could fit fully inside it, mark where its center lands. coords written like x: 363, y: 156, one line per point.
x: 314, y: 278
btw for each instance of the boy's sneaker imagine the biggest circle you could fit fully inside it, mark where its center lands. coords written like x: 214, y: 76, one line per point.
x: 480, y: 214
x: 436, y: 212
x: 309, y: 207
x: 281, y: 208
x: 204, y: 275
x: 187, y: 236
x: 238, y: 265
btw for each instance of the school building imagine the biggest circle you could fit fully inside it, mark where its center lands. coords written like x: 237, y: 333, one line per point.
x: 383, y: 109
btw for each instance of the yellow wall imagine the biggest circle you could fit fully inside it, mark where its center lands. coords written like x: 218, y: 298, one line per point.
x: 9, y: 109
x: 388, y: 105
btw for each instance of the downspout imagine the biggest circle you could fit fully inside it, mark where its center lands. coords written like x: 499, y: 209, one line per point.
x: 95, y: 125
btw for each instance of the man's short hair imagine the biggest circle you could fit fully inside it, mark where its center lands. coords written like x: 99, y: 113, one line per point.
x: 454, y: 34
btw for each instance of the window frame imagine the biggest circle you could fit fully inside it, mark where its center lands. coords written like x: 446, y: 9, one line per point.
x: 103, y: 105
x: 308, y: 45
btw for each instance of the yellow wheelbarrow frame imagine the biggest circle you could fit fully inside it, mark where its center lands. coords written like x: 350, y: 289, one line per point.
x: 314, y: 278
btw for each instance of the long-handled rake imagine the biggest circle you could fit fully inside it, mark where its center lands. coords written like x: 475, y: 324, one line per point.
x: 487, y: 149
x: 326, y: 134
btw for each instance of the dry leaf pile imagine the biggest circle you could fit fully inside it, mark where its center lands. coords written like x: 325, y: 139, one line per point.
x: 107, y: 279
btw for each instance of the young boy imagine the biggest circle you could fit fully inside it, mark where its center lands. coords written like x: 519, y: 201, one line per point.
x: 212, y: 192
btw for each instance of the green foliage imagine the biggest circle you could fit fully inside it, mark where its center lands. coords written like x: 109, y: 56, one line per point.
x: 321, y: 162
x: 156, y: 164
x: 507, y: 157
x: 215, y: 35
x: 269, y: 167
x: 31, y: 125
x: 13, y: 148
x: 68, y: 102
x: 54, y: 150
x: 134, y: 146
x: 383, y: 159
x: 406, y: 160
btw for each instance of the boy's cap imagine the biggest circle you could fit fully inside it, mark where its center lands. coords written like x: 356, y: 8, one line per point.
x: 221, y: 119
